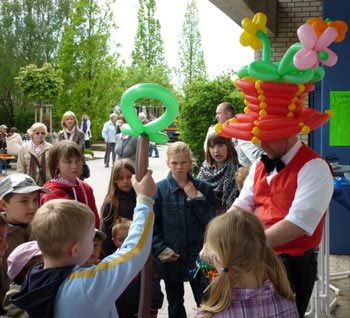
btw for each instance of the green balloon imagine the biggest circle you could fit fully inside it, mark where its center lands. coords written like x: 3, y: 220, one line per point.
x: 264, y: 71
x: 299, y: 77
x: 153, y: 128
x: 159, y: 138
x: 243, y: 72
x: 318, y: 74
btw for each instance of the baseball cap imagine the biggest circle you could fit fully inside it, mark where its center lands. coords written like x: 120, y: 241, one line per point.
x: 20, y: 257
x: 19, y: 183
x: 100, y: 234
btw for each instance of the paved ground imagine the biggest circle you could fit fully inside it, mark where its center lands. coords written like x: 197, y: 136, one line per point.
x: 99, y: 181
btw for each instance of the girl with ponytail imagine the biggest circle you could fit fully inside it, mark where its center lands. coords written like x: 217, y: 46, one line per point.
x: 251, y: 281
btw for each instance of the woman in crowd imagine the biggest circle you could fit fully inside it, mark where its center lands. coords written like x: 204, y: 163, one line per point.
x: 33, y: 156
x: 13, y: 141
x: 85, y: 127
x: 219, y: 170
x: 125, y: 145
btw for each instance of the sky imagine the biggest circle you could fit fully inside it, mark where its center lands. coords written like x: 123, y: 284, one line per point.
x: 219, y: 34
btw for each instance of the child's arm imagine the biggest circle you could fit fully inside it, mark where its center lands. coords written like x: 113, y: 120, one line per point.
x: 104, y: 283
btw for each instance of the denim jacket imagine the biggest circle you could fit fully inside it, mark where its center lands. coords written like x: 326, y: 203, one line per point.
x: 180, y: 224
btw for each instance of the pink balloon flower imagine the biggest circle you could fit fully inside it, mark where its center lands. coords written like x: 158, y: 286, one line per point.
x: 315, y: 49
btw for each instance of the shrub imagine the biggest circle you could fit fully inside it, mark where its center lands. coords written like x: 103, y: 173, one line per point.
x: 197, y: 110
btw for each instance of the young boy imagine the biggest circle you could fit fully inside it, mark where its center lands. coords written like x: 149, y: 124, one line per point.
x: 120, y: 231
x: 64, y: 230
x: 94, y: 258
x: 19, y: 199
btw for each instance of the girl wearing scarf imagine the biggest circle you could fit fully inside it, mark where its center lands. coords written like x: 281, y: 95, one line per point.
x: 219, y: 170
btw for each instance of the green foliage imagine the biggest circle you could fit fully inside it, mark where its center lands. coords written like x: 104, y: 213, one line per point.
x: 89, y: 152
x: 191, y: 56
x: 93, y: 79
x: 148, y: 61
x: 29, y: 34
x: 40, y: 84
x: 198, y: 109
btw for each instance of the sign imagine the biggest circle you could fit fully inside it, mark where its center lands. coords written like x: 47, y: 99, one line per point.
x: 339, y: 127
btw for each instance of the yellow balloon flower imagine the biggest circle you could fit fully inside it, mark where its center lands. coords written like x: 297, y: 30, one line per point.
x: 251, y: 27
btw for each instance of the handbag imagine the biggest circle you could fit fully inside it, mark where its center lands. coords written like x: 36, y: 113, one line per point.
x: 85, y: 172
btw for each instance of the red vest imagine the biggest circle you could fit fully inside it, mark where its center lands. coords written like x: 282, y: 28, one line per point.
x: 274, y: 200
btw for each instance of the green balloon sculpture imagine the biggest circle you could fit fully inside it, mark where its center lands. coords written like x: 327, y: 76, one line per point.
x: 153, y: 129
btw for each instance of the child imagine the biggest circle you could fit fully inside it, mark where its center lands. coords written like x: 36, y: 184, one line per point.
x: 65, y: 164
x: 240, y: 176
x: 3, y: 235
x: 252, y: 281
x: 120, y: 231
x: 128, y: 302
x: 183, y: 207
x: 19, y: 199
x: 65, y: 230
x: 19, y: 262
x: 94, y: 258
x: 120, y: 200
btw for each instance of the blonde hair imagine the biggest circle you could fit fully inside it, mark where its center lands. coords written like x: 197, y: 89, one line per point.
x: 238, y: 239
x: 35, y: 127
x: 112, y: 196
x: 179, y: 147
x: 240, y: 175
x: 66, y: 115
x: 59, y: 222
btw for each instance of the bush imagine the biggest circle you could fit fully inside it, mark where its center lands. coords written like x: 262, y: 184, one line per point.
x: 197, y: 110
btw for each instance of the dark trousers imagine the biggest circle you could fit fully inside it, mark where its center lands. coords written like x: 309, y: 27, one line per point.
x: 302, y: 274
x: 175, y: 295
x: 153, y: 147
x: 110, y: 148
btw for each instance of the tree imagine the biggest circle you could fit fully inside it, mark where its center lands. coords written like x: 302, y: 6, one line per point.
x: 29, y: 34
x: 191, y: 57
x: 198, y: 109
x: 92, y: 76
x: 148, y: 54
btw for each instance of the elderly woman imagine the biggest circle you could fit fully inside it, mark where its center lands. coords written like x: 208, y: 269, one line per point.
x: 33, y: 156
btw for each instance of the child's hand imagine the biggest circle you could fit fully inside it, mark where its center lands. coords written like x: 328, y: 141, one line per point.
x: 168, y: 255
x: 146, y: 186
x: 205, y: 254
x: 190, y: 190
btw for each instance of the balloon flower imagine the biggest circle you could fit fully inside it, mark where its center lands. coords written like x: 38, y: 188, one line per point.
x: 274, y: 93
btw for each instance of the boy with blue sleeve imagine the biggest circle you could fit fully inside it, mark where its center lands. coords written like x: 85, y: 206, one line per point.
x: 65, y: 230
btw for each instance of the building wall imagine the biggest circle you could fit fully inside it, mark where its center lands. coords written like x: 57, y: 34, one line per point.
x: 290, y: 15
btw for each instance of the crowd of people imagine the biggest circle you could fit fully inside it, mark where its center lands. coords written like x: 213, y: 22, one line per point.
x: 256, y: 221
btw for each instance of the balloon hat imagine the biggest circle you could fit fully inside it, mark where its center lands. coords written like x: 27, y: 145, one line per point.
x: 275, y: 92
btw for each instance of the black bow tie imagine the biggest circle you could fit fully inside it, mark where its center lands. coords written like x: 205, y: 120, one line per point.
x: 271, y: 164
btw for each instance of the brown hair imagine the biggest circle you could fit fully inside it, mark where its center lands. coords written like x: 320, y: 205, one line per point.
x: 62, y: 149
x: 227, y: 108
x: 215, y: 139
x: 238, y: 239
x: 59, y: 222
x: 112, y: 196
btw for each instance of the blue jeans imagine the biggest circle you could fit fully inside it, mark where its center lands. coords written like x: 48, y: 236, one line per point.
x: 153, y: 147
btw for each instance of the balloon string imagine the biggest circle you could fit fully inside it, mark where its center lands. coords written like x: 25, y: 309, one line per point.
x: 266, y: 53
x: 287, y: 59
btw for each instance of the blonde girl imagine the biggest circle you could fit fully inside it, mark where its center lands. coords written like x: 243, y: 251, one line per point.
x: 252, y: 281
x: 70, y: 130
x: 119, y: 201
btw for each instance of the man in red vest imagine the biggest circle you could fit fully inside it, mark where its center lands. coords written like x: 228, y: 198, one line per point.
x: 289, y: 190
